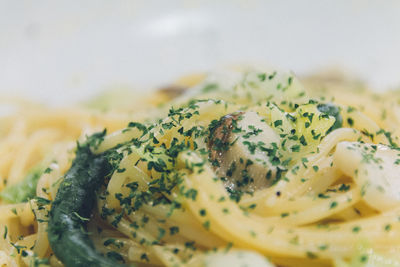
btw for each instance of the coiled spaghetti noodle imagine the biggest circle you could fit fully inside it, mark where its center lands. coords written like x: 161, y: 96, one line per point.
x: 332, y: 199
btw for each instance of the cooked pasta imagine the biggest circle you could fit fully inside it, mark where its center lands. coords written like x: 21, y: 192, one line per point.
x: 243, y: 168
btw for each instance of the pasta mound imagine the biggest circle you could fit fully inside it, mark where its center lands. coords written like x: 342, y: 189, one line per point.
x: 243, y: 167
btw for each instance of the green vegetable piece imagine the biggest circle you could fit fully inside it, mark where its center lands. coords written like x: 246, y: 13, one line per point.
x: 334, y: 111
x: 24, y: 190
x: 76, y: 195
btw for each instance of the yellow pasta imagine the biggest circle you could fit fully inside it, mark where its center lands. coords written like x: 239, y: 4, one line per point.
x: 247, y: 167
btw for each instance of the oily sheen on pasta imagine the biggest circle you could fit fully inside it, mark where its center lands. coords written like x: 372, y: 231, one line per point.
x: 240, y: 168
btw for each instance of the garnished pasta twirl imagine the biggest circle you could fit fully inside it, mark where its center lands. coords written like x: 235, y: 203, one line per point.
x: 248, y: 168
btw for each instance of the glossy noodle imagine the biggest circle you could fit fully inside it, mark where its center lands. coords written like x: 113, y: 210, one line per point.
x: 241, y: 167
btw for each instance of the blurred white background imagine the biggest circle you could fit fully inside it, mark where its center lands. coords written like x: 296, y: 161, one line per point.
x: 63, y: 51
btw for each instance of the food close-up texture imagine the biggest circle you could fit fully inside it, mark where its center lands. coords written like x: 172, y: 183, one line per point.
x: 246, y: 167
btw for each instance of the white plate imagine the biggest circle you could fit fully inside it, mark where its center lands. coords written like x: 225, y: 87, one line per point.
x: 63, y: 51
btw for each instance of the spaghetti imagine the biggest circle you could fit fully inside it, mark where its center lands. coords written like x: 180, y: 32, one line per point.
x: 247, y: 168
